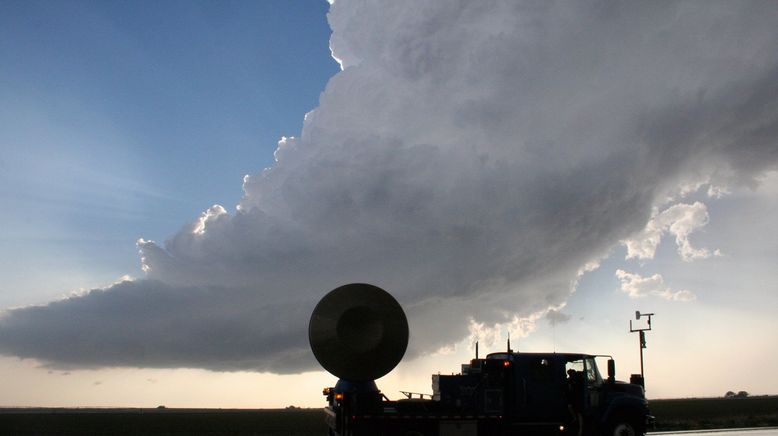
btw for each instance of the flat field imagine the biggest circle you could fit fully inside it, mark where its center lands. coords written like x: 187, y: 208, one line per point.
x: 706, y: 413
x: 671, y: 415
x: 211, y: 422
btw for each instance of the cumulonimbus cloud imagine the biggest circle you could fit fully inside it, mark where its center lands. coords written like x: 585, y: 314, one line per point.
x: 471, y: 158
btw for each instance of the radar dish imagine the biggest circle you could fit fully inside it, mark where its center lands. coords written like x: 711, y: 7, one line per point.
x: 358, y: 332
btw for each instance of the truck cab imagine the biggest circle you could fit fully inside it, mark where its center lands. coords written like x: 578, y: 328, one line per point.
x: 566, y: 391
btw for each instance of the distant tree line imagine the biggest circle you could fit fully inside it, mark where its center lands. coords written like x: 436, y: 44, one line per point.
x: 740, y: 394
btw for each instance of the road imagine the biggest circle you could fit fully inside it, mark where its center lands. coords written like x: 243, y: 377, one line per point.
x: 765, y: 431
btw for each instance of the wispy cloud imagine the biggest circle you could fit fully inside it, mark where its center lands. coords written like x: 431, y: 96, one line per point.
x: 637, y: 286
x: 680, y: 220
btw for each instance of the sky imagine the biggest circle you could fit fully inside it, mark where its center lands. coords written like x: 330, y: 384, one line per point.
x: 184, y: 181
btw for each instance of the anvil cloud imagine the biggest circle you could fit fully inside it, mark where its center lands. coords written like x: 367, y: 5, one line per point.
x: 471, y: 158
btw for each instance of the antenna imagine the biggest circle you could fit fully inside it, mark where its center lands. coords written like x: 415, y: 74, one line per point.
x: 553, y: 334
x: 509, y: 343
x: 476, y: 350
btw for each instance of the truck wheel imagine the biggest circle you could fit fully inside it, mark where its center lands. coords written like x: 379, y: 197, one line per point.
x: 624, y: 427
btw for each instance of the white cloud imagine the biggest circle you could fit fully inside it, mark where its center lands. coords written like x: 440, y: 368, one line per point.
x: 679, y: 220
x: 470, y: 158
x: 489, y: 336
x: 637, y: 286
x: 486, y: 336
x: 717, y: 191
x: 208, y: 218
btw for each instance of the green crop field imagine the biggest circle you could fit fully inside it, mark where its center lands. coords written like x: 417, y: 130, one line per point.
x: 705, y: 413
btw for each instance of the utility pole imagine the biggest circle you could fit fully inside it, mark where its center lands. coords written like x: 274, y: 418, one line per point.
x: 641, y: 338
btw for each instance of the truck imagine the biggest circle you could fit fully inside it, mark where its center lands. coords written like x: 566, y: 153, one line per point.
x: 505, y: 393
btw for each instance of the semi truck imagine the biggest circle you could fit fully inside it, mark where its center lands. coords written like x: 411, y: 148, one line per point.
x: 358, y: 332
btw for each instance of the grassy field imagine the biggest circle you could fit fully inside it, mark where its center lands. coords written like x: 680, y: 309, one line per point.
x: 683, y: 414
x: 212, y: 422
x: 704, y: 413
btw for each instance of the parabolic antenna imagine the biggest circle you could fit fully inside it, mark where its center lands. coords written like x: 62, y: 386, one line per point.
x: 358, y: 332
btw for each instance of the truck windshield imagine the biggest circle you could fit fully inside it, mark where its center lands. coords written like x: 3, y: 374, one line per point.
x: 583, y: 369
x: 575, y: 365
x: 592, y: 374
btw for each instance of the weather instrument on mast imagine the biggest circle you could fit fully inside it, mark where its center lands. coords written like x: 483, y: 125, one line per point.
x: 641, y: 340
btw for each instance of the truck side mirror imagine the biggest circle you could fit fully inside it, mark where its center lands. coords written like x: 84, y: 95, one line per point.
x: 611, y: 370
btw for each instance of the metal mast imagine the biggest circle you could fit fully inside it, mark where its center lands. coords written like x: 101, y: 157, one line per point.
x: 642, y: 338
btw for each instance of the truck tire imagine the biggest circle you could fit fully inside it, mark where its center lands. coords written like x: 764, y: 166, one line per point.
x: 624, y: 426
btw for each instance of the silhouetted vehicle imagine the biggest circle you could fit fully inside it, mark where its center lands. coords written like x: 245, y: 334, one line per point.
x: 359, y: 333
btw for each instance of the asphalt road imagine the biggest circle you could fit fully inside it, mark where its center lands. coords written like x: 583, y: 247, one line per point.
x: 765, y: 431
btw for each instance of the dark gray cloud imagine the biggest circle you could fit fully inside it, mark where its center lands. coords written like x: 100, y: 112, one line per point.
x: 150, y: 324
x: 470, y: 158
x: 556, y: 317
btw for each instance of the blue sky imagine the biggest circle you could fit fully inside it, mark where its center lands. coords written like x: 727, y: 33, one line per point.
x: 495, y: 168
x: 122, y: 120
